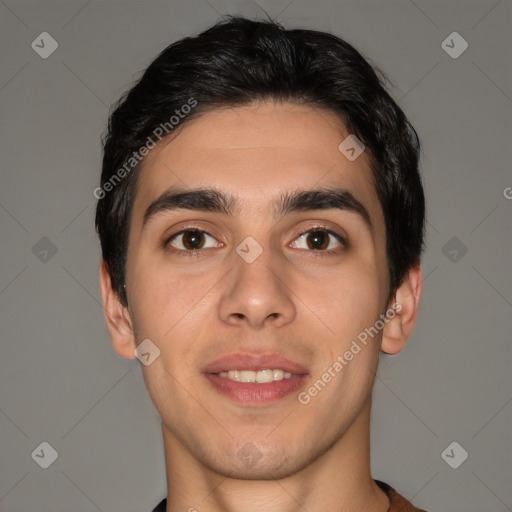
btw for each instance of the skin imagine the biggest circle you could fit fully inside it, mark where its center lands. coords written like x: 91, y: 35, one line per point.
x: 293, y: 300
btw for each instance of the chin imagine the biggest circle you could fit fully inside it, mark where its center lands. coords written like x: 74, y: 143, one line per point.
x: 261, y: 471
x: 259, y: 461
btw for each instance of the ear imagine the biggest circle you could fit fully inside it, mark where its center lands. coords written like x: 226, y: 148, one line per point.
x: 405, y: 303
x: 117, y: 317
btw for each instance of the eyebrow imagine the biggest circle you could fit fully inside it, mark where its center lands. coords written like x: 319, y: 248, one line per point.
x: 217, y: 201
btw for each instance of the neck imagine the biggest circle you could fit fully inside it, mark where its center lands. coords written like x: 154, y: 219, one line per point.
x: 339, y: 479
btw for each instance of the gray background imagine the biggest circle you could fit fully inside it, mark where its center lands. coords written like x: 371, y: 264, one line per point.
x: 60, y: 380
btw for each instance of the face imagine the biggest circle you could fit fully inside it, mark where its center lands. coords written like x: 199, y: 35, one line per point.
x: 254, y: 288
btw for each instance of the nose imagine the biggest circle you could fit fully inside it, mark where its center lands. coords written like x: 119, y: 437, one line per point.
x: 257, y: 293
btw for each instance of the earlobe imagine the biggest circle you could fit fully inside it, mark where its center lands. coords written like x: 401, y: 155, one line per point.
x: 405, y: 304
x: 117, y: 317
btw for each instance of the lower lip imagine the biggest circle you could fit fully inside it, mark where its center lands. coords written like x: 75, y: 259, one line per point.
x: 253, y: 394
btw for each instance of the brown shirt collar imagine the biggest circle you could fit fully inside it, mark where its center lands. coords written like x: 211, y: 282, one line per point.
x: 397, y: 503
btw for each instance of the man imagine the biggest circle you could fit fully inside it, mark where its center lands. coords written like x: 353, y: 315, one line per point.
x: 261, y: 217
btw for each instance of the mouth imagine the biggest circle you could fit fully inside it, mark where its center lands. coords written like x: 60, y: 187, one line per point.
x: 260, y: 377
x: 255, y: 379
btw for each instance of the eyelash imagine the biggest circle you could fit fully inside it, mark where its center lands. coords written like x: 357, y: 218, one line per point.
x: 312, y: 229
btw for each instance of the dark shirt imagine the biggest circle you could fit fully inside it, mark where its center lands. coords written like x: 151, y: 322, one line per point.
x: 397, y: 502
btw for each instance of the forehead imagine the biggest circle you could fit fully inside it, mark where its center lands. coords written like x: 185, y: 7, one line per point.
x: 256, y: 153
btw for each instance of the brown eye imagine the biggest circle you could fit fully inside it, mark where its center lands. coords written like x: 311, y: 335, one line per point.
x: 318, y: 240
x: 193, y: 239
x: 190, y: 240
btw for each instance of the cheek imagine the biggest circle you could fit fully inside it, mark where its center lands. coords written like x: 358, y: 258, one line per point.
x: 166, y: 301
x: 350, y: 299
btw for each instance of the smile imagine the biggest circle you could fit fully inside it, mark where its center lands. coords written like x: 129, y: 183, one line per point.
x: 255, y: 379
x: 260, y: 377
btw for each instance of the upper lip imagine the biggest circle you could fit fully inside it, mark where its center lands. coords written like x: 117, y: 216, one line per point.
x: 254, y: 362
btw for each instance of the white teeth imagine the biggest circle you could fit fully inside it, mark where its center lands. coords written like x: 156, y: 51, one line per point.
x: 247, y: 376
x: 277, y: 374
x: 260, y: 376
x: 264, y: 376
